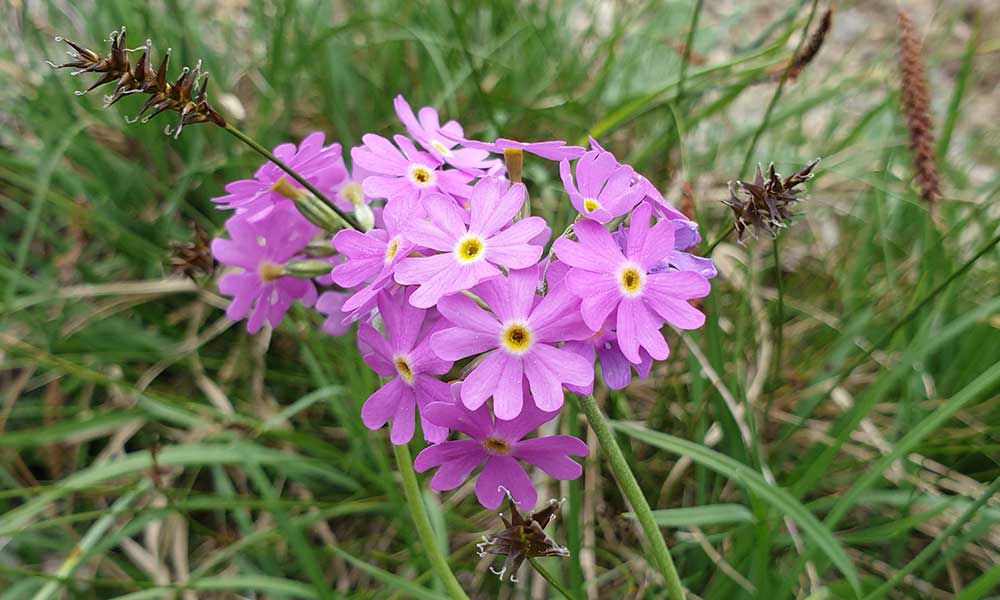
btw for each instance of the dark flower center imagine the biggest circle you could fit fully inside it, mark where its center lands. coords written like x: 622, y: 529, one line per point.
x: 403, y: 368
x: 497, y: 445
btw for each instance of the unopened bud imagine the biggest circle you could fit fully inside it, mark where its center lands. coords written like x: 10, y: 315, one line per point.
x: 366, y: 218
x: 307, y: 268
x: 320, y: 248
x: 513, y: 159
x: 319, y: 212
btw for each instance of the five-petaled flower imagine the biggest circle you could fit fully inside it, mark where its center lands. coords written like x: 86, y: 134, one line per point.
x: 628, y: 284
x: 497, y: 445
x: 404, y: 174
x: 520, y: 338
x: 404, y: 355
x: 261, y: 249
x: 468, y: 254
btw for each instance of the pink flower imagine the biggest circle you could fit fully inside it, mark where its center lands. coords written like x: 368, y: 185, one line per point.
x: 519, y: 339
x: 497, y: 446
x: 371, y: 257
x: 261, y: 249
x: 616, y: 370
x: 405, y: 355
x: 426, y: 129
x: 608, y: 280
x: 405, y: 175
x: 604, y: 188
x: 553, y: 150
x: 321, y: 165
x: 468, y: 254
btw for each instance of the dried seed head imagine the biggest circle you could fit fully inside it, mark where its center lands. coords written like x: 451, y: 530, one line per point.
x: 808, y: 52
x: 523, y: 537
x: 764, y: 203
x: 186, y: 95
x: 916, y: 108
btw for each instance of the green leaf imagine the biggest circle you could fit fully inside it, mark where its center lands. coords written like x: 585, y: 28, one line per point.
x: 701, y: 516
x: 779, y: 498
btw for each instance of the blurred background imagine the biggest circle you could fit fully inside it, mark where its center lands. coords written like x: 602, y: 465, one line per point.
x: 151, y: 448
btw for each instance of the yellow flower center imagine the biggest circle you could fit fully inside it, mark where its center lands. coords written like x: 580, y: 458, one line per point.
x: 285, y: 188
x: 497, y: 445
x: 516, y: 337
x: 391, y: 249
x: 441, y: 148
x: 268, y: 271
x: 403, y: 368
x: 590, y: 205
x: 421, y: 175
x: 470, y: 249
x: 630, y: 280
x: 353, y: 194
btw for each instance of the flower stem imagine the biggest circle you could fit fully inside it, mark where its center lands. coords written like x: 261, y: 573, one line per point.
x: 633, y: 493
x: 418, y: 511
x: 545, y: 574
x: 348, y: 220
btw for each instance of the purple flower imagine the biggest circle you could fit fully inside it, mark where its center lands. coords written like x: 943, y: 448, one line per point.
x: 626, y: 283
x: 604, y: 188
x: 321, y: 165
x: 371, y: 257
x: 552, y: 150
x: 499, y: 443
x: 426, y: 129
x: 470, y: 253
x: 616, y: 370
x: 519, y: 339
x: 405, y: 355
x: 404, y: 175
x: 261, y: 249
x: 331, y: 304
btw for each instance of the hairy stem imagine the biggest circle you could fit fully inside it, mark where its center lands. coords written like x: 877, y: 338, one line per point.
x: 348, y: 220
x: 418, y: 511
x: 633, y: 493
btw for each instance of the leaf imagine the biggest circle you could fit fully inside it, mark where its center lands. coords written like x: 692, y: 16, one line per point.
x: 701, y: 516
x: 779, y: 498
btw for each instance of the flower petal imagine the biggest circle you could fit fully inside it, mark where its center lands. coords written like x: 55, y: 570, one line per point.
x: 455, y: 459
x: 551, y: 454
x: 500, y: 474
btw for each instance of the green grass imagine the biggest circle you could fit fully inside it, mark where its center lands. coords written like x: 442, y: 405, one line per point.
x: 150, y: 449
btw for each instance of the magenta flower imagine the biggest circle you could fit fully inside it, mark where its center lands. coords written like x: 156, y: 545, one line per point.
x: 500, y: 444
x: 608, y: 280
x: 405, y: 355
x: 468, y: 254
x: 261, y: 249
x: 322, y: 166
x: 604, y: 188
x: 552, y: 150
x: 426, y: 129
x: 371, y: 257
x: 405, y: 175
x: 519, y: 339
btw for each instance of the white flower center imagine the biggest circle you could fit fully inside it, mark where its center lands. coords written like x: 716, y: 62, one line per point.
x: 516, y: 337
x: 631, y: 279
x: 421, y: 176
x: 470, y: 248
x: 403, y: 367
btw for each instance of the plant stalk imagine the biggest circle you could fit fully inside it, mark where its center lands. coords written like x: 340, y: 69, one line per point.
x: 548, y: 577
x: 348, y: 220
x: 633, y: 493
x: 418, y: 511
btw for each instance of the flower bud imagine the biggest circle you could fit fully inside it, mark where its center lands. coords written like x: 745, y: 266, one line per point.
x: 307, y: 268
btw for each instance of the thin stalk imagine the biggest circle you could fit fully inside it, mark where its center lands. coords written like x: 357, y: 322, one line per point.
x: 695, y: 14
x: 545, y: 574
x: 780, y: 319
x: 348, y: 220
x: 418, y: 511
x: 633, y: 493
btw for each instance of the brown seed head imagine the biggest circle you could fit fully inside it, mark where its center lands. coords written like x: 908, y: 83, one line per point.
x: 523, y: 537
x: 764, y: 203
x: 916, y: 109
x: 186, y: 95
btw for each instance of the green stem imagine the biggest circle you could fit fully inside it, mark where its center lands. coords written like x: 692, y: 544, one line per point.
x: 545, y: 574
x: 418, y: 511
x: 780, y: 320
x: 633, y: 493
x: 348, y: 220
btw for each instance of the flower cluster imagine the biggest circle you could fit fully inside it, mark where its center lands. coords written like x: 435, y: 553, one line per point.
x: 474, y: 330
